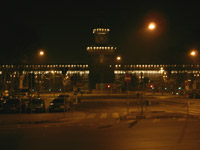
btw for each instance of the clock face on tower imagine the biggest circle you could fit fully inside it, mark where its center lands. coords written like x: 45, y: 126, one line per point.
x: 101, y: 39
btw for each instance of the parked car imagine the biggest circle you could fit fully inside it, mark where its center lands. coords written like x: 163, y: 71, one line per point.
x: 67, y: 97
x: 194, y: 94
x: 62, y: 96
x: 35, y: 105
x: 59, y: 104
x: 11, y: 105
x: 1, y: 105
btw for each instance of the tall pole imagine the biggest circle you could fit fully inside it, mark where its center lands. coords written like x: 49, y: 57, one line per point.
x: 31, y: 90
x: 127, y: 100
x: 20, y: 99
x: 141, y: 94
x: 38, y: 85
x: 54, y: 84
x: 64, y: 93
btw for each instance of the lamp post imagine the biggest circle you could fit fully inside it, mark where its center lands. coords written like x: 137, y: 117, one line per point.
x: 193, y: 54
x: 152, y: 26
x: 118, y: 59
x: 41, y: 54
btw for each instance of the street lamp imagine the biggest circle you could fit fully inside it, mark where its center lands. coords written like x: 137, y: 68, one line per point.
x: 152, y: 26
x: 193, y: 53
x: 41, y: 52
x: 118, y: 58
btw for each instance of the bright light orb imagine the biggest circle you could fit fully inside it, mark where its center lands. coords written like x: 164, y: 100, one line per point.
x: 193, y: 53
x: 152, y: 26
x: 41, y: 53
x: 118, y: 58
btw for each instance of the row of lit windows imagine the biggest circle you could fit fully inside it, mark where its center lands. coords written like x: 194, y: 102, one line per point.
x: 45, y: 66
x: 52, y: 71
x: 141, y: 66
x: 185, y: 71
x: 86, y: 66
x: 101, y: 48
x: 138, y: 72
x: 78, y: 72
x: 153, y: 65
x: 101, y: 30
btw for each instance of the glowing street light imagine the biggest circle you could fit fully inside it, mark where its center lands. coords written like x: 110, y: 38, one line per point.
x: 193, y: 53
x: 152, y: 26
x: 41, y: 53
x: 118, y: 58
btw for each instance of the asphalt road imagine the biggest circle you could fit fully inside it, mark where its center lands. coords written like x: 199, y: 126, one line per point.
x: 155, y: 134
x: 96, y: 124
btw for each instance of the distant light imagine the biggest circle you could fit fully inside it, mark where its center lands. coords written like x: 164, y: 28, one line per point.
x: 118, y: 58
x: 108, y: 86
x: 179, y: 88
x: 41, y: 53
x: 152, y: 26
x: 194, y: 53
x: 165, y: 88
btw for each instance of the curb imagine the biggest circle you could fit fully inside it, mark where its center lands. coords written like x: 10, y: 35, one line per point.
x: 138, y: 117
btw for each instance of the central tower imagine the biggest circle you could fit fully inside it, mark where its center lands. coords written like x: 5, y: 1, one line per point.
x: 101, y: 65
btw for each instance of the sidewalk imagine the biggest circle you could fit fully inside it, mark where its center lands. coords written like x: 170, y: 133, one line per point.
x: 38, y: 118
x: 157, y: 115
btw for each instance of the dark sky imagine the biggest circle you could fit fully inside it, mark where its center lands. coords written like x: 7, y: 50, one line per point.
x: 64, y: 30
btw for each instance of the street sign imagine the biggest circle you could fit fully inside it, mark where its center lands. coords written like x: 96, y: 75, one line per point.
x: 127, y: 78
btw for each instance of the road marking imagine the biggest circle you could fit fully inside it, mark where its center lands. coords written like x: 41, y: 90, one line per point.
x: 91, y: 116
x: 181, y: 119
x: 168, y: 111
x: 156, y: 120
x: 103, y: 115
x: 148, y: 116
x: 115, y: 115
x: 80, y: 124
x: 124, y: 113
x: 193, y: 112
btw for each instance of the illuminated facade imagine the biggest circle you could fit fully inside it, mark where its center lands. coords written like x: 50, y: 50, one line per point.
x: 100, y: 71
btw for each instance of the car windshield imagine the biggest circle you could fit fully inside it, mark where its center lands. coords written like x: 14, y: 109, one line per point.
x: 58, y: 101
x: 62, y: 96
x: 36, y: 101
x: 12, y: 101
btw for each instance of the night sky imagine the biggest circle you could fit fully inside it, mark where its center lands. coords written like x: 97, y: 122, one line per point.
x: 65, y: 30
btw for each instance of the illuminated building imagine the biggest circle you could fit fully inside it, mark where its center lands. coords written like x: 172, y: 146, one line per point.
x: 101, y: 71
